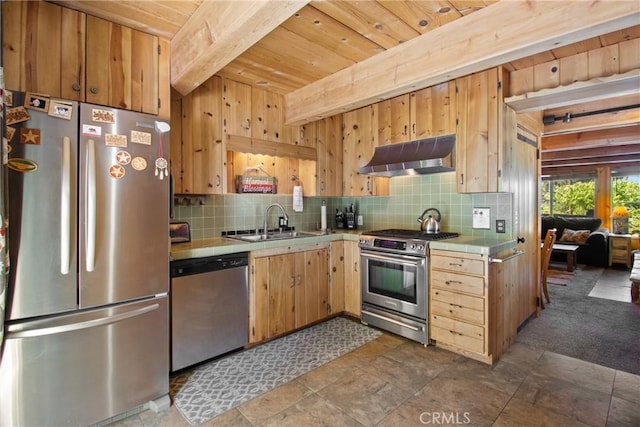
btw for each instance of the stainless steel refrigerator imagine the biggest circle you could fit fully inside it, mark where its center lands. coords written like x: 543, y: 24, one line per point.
x: 86, y: 325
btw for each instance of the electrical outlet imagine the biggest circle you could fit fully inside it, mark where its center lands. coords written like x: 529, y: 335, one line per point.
x: 360, y: 221
x: 500, y: 226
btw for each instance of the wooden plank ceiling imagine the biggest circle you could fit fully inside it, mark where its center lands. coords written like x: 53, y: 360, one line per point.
x: 292, y: 46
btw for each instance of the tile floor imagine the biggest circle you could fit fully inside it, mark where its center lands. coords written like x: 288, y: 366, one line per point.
x: 392, y: 381
x: 614, y: 284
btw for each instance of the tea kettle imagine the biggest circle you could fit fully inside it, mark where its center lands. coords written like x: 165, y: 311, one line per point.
x: 430, y: 224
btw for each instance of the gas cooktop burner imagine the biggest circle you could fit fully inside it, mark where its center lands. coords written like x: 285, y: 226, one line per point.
x: 412, y: 234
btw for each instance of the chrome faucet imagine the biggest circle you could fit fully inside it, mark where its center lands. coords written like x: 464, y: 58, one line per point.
x: 266, y: 217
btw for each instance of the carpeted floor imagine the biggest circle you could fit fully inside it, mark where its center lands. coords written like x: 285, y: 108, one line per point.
x: 596, y: 330
x: 223, y: 384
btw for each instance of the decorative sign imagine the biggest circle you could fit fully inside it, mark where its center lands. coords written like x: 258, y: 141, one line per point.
x: 139, y: 163
x: 116, y: 171
x: 102, y: 116
x: 140, y: 137
x: 256, y: 184
x: 123, y: 157
x: 22, y: 165
x: 30, y: 136
x: 114, y: 140
x: 91, y: 130
x: 17, y: 115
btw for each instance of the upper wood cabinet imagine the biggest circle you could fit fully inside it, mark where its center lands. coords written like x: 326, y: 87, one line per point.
x: 359, y: 139
x: 479, y: 148
x: 433, y: 111
x: 422, y: 114
x: 43, y: 49
x: 394, y: 120
x: 63, y: 53
x: 198, y: 152
x: 122, y: 67
x: 329, y: 164
x: 236, y: 108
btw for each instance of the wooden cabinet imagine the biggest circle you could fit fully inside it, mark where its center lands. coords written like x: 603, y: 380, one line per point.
x: 329, y: 164
x: 43, y: 49
x: 470, y: 303
x: 458, y: 313
x: 198, y: 153
x: 480, y: 154
x: 394, y: 123
x: 289, y: 289
x: 360, y: 137
x: 620, y: 249
x: 63, y: 53
x: 236, y: 108
x: 417, y: 115
x: 352, y: 290
x: 121, y: 67
x: 433, y: 111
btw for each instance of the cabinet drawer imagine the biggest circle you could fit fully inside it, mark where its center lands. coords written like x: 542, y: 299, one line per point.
x: 457, y: 311
x: 456, y: 326
x: 457, y: 282
x: 458, y: 340
x: 456, y: 299
x: 458, y: 264
x: 622, y: 245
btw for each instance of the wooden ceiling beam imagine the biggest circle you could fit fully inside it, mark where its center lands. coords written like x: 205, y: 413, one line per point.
x: 631, y: 157
x: 461, y: 47
x: 591, y: 153
x: 594, y: 138
x: 218, y: 32
x: 564, y: 171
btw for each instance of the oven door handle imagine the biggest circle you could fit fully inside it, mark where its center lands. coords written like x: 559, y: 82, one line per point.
x: 409, y: 260
x: 395, y: 322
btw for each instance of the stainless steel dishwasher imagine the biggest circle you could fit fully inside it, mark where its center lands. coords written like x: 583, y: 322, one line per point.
x: 209, y: 308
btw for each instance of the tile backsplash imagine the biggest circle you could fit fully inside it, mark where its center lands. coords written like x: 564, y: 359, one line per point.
x: 409, y: 197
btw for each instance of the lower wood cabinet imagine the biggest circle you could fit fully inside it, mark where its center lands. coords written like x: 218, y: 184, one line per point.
x: 470, y: 300
x: 288, y: 289
x: 346, y: 295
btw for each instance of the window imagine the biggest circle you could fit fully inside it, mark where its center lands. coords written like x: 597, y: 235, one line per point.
x: 625, y: 191
x: 568, y: 197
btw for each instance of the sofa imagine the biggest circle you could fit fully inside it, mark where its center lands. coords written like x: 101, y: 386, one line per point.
x: 586, y: 232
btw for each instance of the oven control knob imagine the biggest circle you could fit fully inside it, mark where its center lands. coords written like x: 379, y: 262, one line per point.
x: 412, y: 247
x: 420, y: 248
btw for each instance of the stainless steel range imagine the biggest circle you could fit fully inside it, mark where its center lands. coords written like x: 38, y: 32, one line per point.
x: 394, y: 280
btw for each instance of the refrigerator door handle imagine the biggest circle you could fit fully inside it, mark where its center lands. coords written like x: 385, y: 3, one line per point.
x: 65, y: 208
x: 36, y: 331
x: 90, y: 228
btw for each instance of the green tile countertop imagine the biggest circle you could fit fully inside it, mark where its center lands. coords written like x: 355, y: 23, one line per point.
x: 474, y: 245
x: 226, y: 245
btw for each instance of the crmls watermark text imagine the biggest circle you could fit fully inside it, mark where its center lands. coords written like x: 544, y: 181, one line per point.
x: 444, y: 418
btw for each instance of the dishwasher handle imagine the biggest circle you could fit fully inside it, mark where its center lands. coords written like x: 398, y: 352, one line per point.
x: 188, y: 267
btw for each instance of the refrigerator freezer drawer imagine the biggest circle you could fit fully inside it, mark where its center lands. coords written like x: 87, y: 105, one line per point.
x: 82, y: 368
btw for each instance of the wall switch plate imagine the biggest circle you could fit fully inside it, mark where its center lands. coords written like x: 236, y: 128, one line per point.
x: 360, y: 220
x: 500, y: 226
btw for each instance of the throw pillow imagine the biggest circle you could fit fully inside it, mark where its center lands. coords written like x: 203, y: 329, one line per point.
x: 579, y: 236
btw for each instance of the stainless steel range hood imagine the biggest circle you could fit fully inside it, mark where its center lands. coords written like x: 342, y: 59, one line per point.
x: 421, y: 157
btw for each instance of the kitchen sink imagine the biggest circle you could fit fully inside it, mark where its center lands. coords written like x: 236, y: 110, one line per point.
x: 271, y: 236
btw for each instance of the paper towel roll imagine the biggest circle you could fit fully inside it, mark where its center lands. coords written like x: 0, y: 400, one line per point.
x: 297, y: 198
x: 323, y: 218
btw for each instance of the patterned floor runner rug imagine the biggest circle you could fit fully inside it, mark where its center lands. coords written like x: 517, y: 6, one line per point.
x: 225, y: 383
x: 559, y: 277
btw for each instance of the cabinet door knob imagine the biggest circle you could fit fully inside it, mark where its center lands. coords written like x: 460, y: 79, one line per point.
x: 93, y: 90
x: 76, y: 87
